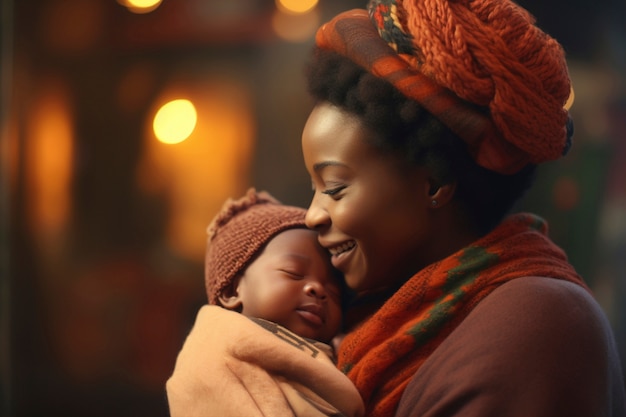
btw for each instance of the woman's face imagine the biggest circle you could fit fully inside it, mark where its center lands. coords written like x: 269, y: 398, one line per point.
x: 370, y: 214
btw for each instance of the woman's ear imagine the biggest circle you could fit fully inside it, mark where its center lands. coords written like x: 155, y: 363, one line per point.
x: 441, y: 195
x: 230, y: 298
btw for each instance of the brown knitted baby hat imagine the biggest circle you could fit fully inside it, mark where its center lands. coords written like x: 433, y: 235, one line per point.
x: 481, y: 66
x: 239, y: 231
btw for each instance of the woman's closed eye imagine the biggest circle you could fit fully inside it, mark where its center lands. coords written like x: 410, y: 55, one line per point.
x: 333, y: 192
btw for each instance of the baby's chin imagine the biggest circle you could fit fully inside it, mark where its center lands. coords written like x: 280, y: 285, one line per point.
x: 308, y: 333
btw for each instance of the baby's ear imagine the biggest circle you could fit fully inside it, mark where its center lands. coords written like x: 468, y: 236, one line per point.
x: 229, y: 298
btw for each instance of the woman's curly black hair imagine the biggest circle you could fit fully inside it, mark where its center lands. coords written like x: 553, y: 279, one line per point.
x: 402, y: 127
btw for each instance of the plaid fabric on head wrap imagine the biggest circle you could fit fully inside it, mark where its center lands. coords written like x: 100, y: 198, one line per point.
x: 481, y: 67
x: 239, y: 231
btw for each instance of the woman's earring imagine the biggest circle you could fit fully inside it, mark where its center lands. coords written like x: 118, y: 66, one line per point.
x: 433, y: 203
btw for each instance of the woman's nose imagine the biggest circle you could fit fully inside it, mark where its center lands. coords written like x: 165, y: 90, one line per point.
x: 316, y: 215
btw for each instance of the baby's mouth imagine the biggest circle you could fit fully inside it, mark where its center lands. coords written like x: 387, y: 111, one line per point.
x: 313, y: 313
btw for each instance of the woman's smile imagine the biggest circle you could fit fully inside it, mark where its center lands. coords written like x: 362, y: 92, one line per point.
x: 338, y: 250
x: 340, y: 255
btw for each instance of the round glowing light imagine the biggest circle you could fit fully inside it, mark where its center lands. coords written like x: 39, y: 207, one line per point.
x: 296, y: 6
x: 143, y: 3
x: 140, y: 6
x: 175, y: 121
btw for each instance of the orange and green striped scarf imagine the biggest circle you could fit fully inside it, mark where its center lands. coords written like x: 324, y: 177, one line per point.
x: 382, y: 355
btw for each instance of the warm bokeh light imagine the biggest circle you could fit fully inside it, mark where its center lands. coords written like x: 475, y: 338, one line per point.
x: 570, y: 100
x: 175, y: 121
x: 144, y: 3
x: 140, y: 6
x: 295, y: 27
x: 296, y: 6
x: 49, y: 164
x: 197, y: 175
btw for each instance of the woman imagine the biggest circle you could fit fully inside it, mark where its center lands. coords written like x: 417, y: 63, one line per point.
x: 430, y: 118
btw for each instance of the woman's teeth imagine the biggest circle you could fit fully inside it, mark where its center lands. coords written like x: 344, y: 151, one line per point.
x: 342, y: 248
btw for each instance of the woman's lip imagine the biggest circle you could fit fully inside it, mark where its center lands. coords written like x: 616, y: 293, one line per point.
x: 340, y: 260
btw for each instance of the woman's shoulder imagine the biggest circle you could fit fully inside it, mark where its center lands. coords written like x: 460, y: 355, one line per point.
x: 532, y: 312
x: 539, y: 309
x: 534, y: 346
x: 528, y: 298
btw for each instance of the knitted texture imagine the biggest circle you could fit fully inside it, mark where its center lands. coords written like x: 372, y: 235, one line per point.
x: 239, y: 232
x: 383, y: 355
x: 480, y: 66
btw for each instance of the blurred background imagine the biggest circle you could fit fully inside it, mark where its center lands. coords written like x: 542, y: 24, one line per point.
x: 126, y: 124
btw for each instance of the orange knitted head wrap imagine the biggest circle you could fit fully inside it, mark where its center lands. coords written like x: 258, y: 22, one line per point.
x: 239, y: 231
x: 480, y: 66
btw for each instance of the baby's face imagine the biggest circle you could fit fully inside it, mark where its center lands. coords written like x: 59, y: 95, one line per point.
x: 292, y: 283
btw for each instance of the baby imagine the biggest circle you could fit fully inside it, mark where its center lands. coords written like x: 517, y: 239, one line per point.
x: 263, y: 262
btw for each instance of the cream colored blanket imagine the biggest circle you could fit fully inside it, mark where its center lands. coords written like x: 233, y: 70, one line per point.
x: 248, y: 371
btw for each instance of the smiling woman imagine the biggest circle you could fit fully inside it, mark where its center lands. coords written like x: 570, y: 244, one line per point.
x: 428, y: 123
